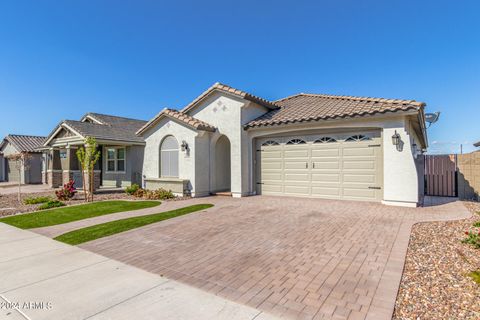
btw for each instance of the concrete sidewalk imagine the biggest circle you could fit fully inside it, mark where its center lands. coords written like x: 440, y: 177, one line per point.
x: 44, y: 279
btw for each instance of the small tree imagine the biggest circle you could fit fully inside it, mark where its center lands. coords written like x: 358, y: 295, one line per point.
x: 88, y: 156
x: 22, y: 160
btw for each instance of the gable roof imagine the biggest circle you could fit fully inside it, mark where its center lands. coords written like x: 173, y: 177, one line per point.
x: 180, y: 117
x: 312, y: 107
x: 227, y: 89
x: 24, y: 143
x: 106, y: 127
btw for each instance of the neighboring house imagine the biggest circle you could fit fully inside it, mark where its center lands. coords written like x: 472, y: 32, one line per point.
x: 31, y: 171
x: 121, y: 158
x: 307, y: 145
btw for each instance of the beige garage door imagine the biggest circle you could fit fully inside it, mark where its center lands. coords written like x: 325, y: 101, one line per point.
x: 333, y: 166
x: 13, y: 174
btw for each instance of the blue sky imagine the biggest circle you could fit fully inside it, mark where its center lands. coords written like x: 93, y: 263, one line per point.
x: 61, y: 59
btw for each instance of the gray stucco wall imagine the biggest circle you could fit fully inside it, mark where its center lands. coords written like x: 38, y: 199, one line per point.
x: 133, y: 168
x: 32, y: 173
x: 2, y: 168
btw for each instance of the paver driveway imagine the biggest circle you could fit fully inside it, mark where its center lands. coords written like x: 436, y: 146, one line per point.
x: 298, y: 258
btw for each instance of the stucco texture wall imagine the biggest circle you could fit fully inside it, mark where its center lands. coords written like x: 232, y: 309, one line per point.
x: 133, y: 168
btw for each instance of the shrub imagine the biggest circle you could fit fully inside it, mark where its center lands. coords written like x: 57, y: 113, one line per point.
x: 132, y: 189
x: 473, y: 238
x: 139, y: 193
x: 37, y: 200
x: 159, y: 194
x: 67, y: 192
x: 51, y: 204
x: 477, y: 224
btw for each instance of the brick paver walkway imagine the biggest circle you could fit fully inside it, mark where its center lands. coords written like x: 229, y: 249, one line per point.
x: 292, y: 257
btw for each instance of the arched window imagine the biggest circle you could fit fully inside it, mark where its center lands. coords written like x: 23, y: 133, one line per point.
x: 270, y: 143
x: 296, y: 141
x: 169, y: 157
x: 358, y: 137
x: 325, y: 140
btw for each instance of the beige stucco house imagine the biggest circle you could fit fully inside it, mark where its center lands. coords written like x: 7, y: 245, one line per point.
x: 306, y: 145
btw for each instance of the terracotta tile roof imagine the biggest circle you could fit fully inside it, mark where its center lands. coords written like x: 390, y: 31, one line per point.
x: 179, y: 116
x: 224, y: 88
x: 24, y: 143
x: 312, y: 107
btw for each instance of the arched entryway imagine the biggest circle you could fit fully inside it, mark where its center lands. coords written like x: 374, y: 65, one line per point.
x: 222, y: 164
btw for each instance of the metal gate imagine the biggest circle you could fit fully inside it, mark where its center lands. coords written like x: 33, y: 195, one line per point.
x: 441, y: 177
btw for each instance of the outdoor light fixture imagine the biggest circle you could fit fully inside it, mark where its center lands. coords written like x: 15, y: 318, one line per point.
x: 184, y: 145
x: 396, y: 138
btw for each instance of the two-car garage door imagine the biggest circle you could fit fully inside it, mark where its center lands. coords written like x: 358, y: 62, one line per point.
x: 335, y: 166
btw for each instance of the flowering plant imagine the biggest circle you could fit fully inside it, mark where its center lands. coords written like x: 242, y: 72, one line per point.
x: 67, y: 192
x: 473, y: 238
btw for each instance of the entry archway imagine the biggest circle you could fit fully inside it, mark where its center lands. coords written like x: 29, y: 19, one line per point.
x: 222, y: 165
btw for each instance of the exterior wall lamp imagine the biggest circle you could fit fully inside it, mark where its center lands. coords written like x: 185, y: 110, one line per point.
x: 396, y: 138
x: 184, y: 145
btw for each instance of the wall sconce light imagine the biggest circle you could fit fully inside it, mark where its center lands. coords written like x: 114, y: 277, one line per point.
x: 396, y: 138
x: 184, y: 145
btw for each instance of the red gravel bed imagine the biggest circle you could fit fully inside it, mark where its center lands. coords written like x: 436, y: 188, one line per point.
x: 435, y: 282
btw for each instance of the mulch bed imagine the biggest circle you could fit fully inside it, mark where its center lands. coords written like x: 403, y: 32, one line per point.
x: 9, y: 203
x: 435, y: 282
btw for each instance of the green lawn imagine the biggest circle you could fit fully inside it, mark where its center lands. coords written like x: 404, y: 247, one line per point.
x: 52, y: 217
x: 109, y: 228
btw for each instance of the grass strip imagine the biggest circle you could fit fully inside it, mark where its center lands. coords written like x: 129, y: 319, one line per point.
x: 73, y: 213
x: 113, y: 227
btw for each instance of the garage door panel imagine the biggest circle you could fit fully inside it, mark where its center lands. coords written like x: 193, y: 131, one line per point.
x: 352, y: 152
x: 326, y: 192
x: 356, y: 178
x: 303, y: 177
x: 300, y: 190
x: 272, y: 188
x: 271, y: 154
x: 301, y: 164
x: 269, y: 176
x: 325, y: 152
x: 299, y: 153
x: 271, y: 165
x: 331, y: 164
x: 326, y: 177
x: 359, y: 165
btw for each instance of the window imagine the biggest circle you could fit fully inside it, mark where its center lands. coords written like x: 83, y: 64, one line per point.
x: 115, y: 159
x: 325, y: 140
x: 358, y: 137
x: 169, y: 157
x: 296, y: 141
x: 270, y: 143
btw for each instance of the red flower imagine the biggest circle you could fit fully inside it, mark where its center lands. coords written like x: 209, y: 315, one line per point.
x: 467, y: 233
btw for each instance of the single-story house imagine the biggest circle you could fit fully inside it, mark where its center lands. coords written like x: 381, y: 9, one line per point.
x: 121, y: 149
x: 306, y: 145
x: 11, y: 170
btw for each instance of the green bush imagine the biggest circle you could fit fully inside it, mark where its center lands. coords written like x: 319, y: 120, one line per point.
x: 132, y: 189
x: 51, y: 204
x: 473, y: 238
x: 37, y: 200
x: 477, y: 224
x: 159, y: 194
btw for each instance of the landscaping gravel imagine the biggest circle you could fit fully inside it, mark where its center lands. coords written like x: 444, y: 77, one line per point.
x: 435, y: 282
x: 9, y: 203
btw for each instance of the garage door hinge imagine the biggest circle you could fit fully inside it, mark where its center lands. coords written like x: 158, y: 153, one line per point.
x: 259, y: 182
x: 376, y: 188
x: 374, y: 145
